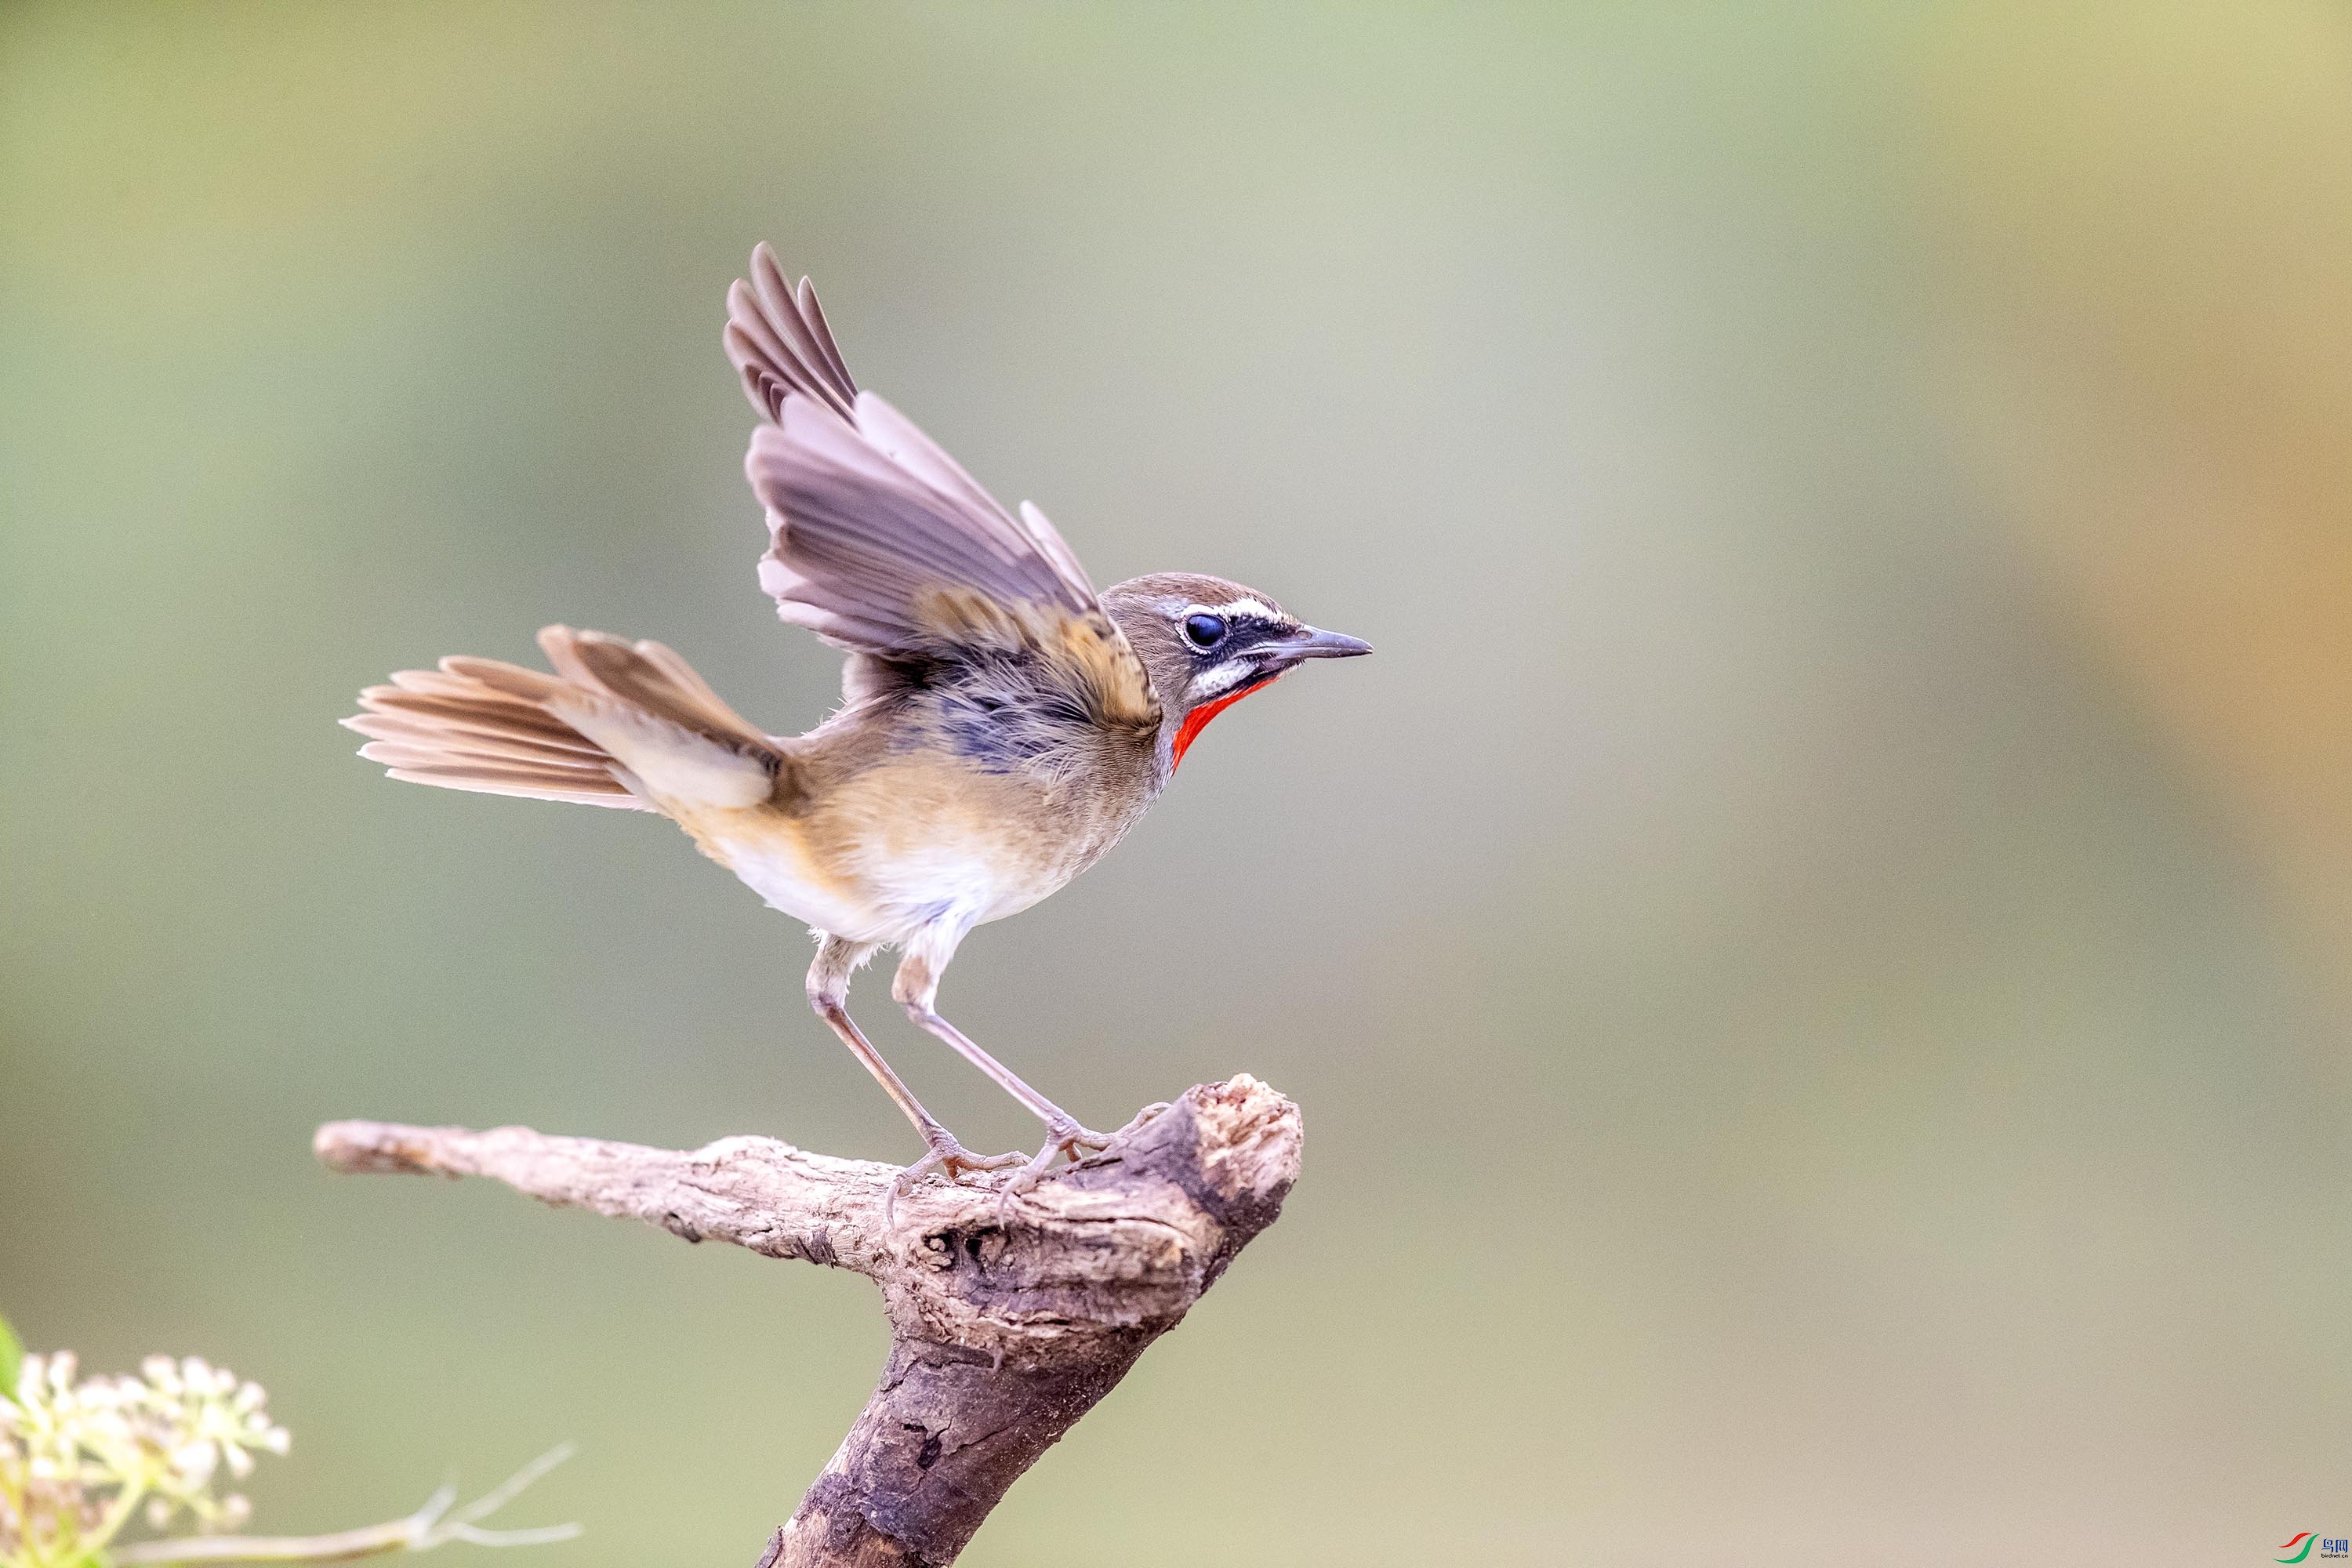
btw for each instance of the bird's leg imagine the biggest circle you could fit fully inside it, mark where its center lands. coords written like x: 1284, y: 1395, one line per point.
x: 828, y: 994
x: 917, y: 986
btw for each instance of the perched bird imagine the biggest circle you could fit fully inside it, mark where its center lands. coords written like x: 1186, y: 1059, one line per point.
x: 1003, y: 724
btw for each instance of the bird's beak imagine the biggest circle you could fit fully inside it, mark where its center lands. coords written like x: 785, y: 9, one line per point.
x: 1310, y: 642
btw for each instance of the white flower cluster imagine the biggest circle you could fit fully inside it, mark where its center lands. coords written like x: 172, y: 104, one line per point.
x: 80, y: 1457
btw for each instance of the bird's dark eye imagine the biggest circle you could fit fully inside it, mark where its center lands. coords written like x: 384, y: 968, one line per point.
x: 1206, y: 631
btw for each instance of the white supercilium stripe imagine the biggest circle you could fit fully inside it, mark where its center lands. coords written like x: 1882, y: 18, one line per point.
x: 1263, y: 611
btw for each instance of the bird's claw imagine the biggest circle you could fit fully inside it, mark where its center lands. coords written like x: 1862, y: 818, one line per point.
x: 945, y: 1157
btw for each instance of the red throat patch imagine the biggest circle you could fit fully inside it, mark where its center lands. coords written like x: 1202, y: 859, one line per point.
x: 1198, y: 718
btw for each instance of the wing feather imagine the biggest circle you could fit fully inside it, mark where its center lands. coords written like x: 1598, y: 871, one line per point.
x: 812, y: 315
x: 780, y: 344
x: 879, y: 542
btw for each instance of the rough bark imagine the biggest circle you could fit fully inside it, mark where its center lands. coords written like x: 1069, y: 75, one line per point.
x: 1009, y: 1317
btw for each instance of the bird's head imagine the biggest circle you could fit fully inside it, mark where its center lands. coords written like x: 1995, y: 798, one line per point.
x: 1208, y: 643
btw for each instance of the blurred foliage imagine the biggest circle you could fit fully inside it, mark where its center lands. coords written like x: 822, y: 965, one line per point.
x: 82, y: 1459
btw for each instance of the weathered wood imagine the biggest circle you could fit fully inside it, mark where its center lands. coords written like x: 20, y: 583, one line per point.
x: 1010, y: 1316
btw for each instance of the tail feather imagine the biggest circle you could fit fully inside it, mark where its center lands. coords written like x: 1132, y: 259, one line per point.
x: 620, y: 725
x: 439, y: 694
x: 409, y: 737
x: 446, y: 729
x: 532, y: 688
x: 528, y: 784
x: 647, y: 676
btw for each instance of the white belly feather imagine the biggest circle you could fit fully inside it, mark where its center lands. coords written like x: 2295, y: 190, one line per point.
x: 882, y: 894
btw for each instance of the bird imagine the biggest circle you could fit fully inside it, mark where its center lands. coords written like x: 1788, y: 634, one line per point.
x: 1003, y: 724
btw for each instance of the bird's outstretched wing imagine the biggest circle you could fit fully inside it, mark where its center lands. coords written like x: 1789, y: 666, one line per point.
x: 881, y: 543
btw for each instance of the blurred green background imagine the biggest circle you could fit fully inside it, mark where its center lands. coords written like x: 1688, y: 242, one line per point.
x: 1813, y: 958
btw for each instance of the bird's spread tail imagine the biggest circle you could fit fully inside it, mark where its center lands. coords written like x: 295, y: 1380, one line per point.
x: 620, y: 723
x: 458, y: 731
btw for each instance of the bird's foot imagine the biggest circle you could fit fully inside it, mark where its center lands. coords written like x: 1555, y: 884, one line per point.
x: 945, y: 1157
x: 1066, y: 1137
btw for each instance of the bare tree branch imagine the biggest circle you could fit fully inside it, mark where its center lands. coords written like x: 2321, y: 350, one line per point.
x: 1009, y: 1317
